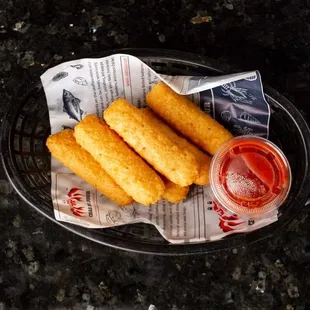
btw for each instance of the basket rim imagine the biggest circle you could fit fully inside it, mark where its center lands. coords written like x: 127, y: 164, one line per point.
x: 140, y: 246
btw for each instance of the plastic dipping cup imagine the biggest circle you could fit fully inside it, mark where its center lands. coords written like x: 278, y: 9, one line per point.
x: 250, y: 175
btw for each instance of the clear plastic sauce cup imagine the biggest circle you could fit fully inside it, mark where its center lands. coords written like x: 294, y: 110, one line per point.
x: 250, y: 175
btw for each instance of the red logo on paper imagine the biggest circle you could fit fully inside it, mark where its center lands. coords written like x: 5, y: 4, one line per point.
x: 80, y: 202
x: 75, y: 196
x: 229, y: 222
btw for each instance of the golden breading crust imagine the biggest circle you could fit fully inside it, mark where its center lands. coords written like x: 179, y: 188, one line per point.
x: 187, y: 118
x: 65, y: 149
x: 203, y: 159
x: 177, y: 165
x: 125, y: 166
x: 174, y: 193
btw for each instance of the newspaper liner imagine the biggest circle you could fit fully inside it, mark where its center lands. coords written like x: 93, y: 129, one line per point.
x: 87, y: 86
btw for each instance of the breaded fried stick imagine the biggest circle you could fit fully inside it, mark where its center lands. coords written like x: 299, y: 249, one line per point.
x: 176, y: 164
x: 181, y: 114
x: 65, y: 149
x: 202, y: 158
x: 125, y: 166
x: 173, y: 192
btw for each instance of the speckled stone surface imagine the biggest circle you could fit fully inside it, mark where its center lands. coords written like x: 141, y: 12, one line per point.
x: 42, y: 266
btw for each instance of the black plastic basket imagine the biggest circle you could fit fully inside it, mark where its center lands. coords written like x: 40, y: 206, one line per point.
x: 26, y: 160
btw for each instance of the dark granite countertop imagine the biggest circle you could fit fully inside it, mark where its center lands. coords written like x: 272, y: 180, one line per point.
x: 45, y: 267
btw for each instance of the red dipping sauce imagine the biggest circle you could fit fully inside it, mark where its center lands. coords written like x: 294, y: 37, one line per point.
x: 250, y: 175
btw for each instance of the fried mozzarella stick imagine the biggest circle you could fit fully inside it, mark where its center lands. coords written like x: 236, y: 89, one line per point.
x: 126, y: 167
x: 173, y: 192
x: 177, y: 165
x: 65, y: 149
x: 187, y: 118
x: 202, y: 158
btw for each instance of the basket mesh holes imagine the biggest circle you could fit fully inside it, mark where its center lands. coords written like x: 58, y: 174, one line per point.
x: 158, y: 64
x: 46, y: 179
x: 46, y: 176
x: 42, y: 162
x: 45, y: 193
x: 29, y: 163
x: 16, y: 142
x: 28, y: 126
x: 38, y: 145
x: 37, y: 179
x: 29, y: 181
x: 43, y: 114
x: 36, y: 108
x: 127, y: 231
x: 19, y: 162
x: 32, y: 106
x: 182, y: 67
x: 25, y: 144
x: 40, y: 129
x: 19, y: 122
x: 160, y: 67
x: 139, y: 231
